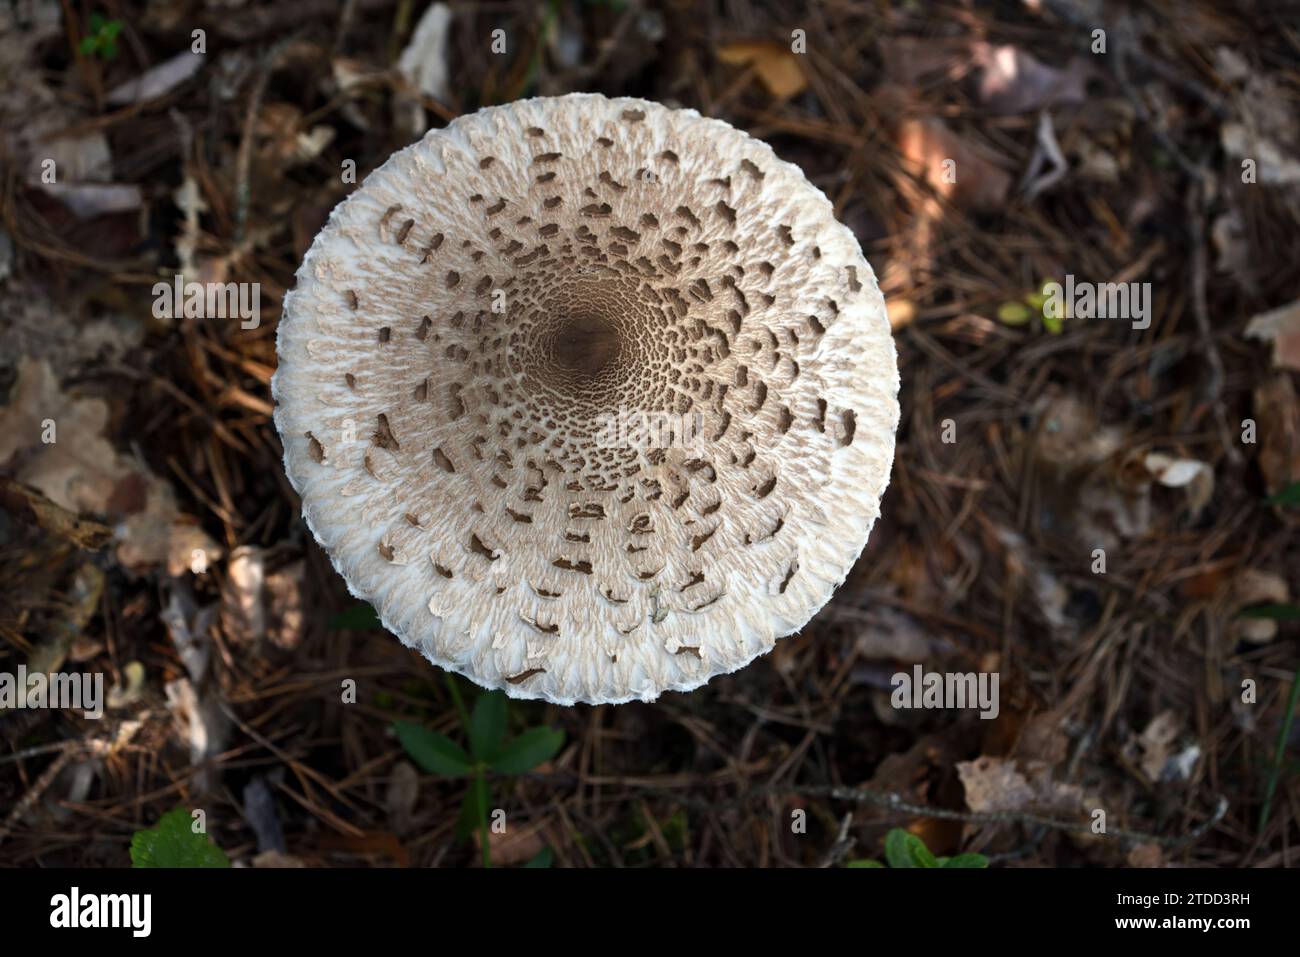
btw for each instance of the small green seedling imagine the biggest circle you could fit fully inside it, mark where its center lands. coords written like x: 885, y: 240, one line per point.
x: 1019, y: 312
x: 490, y: 752
x: 101, y: 39
x: 175, y: 843
x: 904, y: 849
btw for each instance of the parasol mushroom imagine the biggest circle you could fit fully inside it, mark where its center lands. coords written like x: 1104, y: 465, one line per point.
x: 472, y: 321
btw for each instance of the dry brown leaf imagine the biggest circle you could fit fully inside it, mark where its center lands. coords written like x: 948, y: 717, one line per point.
x: 999, y: 784
x: 1277, y: 417
x: 776, y: 65
x: 1282, y: 328
x: 82, y: 472
x: 976, y: 181
x: 30, y: 505
x: 994, y: 784
x: 1012, y: 81
x: 1151, y: 750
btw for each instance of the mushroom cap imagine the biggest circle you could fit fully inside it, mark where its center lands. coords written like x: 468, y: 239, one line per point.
x: 591, y: 398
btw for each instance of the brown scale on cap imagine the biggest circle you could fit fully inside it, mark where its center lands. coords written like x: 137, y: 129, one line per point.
x: 473, y: 324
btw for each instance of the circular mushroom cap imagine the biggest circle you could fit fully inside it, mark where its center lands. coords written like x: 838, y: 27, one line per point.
x: 590, y: 398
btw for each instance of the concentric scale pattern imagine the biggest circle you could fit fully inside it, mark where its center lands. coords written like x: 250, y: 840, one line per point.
x: 472, y: 320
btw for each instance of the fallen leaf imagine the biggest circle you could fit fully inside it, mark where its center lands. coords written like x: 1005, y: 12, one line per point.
x: 973, y: 180
x: 775, y: 64
x: 1151, y: 750
x: 1012, y: 81
x: 57, y: 444
x: 1277, y: 419
x: 30, y: 505
x: 1281, y: 327
x: 998, y: 784
x: 994, y: 784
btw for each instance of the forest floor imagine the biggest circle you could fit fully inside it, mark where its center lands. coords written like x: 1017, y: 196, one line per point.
x: 158, y: 542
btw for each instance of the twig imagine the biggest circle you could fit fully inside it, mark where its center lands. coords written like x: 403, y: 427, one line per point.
x: 843, y: 843
x: 243, y: 191
x: 36, y: 790
x: 1213, y: 386
x: 71, y: 748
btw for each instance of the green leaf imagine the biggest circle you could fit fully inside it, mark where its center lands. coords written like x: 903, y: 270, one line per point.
x: 864, y: 862
x: 358, y: 617
x: 173, y: 843
x: 903, y: 849
x: 542, y: 858
x: 1288, y: 496
x: 1278, y: 612
x: 528, y: 750
x: 487, y: 725
x: 1052, y: 324
x: 1014, y: 313
x: 964, y: 860
x: 434, y: 752
x: 87, y: 45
